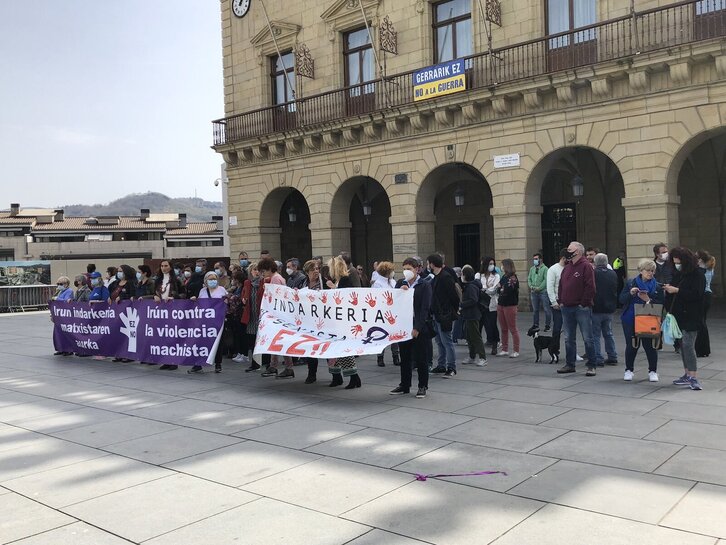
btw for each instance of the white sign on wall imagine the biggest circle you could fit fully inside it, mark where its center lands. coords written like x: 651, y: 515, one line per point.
x: 506, y: 161
x: 232, y: 221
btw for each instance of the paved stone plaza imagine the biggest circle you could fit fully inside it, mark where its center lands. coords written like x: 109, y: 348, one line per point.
x: 98, y: 453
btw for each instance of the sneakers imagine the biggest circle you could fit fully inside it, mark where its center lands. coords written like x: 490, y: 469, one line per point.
x: 502, y: 354
x: 438, y: 370
x: 241, y: 358
x: 685, y: 380
x: 611, y: 361
x: 566, y: 369
x: 579, y: 358
x: 254, y: 366
x: 628, y: 375
x: 421, y: 393
x: 590, y: 372
x: 480, y: 362
x: 287, y: 373
x: 397, y: 391
x: 269, y: 372
x: 449, y: 373
x: 196, y: 369
x: 695, y: 385
x: 514, y: 355
x: 652, y: 376
x: 547, y: 328
x: 468, y: 361
x: 381, y: 363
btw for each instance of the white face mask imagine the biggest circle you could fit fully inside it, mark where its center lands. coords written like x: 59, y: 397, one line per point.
x: 409, y: 275
x: 664, y: 256
x: 490, y: 268
x: 289, y: 271
x: 678, y: 266
x: 392, y: 274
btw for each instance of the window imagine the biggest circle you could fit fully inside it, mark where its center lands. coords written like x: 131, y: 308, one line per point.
x: 710, y: 20
x: 564, y: 15
x: 709, y: 6
x: 452, y: 30
x: 360, y: 63
x: 283, y: 76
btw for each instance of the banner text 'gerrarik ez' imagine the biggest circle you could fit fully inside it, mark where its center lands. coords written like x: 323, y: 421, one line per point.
x: 442, y: 79
x: 175, y: 332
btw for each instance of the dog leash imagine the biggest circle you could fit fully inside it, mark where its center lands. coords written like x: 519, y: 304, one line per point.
x: 420, y: 477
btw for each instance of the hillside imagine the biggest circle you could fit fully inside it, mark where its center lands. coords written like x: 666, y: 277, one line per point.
x: 130, y: 205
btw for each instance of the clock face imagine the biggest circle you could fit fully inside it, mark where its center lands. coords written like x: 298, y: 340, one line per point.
x: 241, y: 7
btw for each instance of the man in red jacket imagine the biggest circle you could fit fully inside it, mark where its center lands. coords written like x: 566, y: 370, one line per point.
x: 575, y: 296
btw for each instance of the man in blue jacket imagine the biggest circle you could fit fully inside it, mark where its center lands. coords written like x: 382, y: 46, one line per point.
x: 605, y: 303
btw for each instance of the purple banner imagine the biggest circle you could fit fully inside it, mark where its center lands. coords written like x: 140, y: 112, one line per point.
x: 177, y: 332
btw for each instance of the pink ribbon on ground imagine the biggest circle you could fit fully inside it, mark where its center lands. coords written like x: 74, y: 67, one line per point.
x: 420, y: 477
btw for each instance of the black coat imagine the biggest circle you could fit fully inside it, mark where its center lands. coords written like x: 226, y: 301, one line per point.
x: 470, y: 301
x: 195, y: 285
x: 445, y: 299
x: 606, y: 291
x: 687, y: 304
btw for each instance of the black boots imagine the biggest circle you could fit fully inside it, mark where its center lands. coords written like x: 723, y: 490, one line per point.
x: 354, y: 382
x: 381, y: 363
x: 396, y: 360
x: 312, y: 372
x: 337, y: 380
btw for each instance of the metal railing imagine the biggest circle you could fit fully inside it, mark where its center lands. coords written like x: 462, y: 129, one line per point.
x: 22, y: 298
x: 640, y: 32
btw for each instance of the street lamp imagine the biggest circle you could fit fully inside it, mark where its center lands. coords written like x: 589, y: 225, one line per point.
x: 578, y: 186
x: 292, y: 214
x: 367, y: 209
x: 459, y: 198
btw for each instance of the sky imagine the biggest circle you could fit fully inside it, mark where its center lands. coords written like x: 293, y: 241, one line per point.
x: 99, y: 99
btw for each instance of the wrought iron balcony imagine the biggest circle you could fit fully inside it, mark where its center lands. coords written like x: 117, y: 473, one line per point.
x: 640, y: 32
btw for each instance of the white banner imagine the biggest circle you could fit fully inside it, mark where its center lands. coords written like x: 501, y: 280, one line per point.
x: 332, y: 323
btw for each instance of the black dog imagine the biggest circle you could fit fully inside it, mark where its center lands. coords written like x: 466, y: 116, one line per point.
x: 544, y: 341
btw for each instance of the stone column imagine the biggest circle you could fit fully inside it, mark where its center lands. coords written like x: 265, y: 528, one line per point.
x: 411, y: 237
x: 649, y: 220
x: 329, y: 241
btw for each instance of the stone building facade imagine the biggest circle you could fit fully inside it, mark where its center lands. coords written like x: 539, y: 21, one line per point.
x: 592, y: 120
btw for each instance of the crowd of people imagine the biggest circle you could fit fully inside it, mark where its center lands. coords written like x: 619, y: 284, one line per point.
x: 581, y: 291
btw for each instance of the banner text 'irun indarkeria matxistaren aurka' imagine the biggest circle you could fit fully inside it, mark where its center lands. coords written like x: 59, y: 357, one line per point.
x: 332, y: 323
x: 176, y: 332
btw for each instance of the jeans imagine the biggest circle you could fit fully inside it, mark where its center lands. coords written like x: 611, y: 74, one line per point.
x: 447, y: 356
x: 490, y: 326
x: 631, y: 351
x: 572, y: 318
x: 457, y: 331
x: 688, y: 350
x: 541, y: 299
x: 602, y: 325
x: 556, y: 321
x: 413, y: 353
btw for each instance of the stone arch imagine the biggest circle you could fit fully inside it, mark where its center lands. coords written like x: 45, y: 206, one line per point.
x: 597, y: 218
x: 367, y: 238
x: 464, y: 233
x: 278, y: 234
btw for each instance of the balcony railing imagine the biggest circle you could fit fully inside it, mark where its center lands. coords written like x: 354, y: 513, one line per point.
x: 640, y: 32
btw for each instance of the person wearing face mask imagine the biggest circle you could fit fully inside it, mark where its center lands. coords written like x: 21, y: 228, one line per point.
x: 382, y: 278
x: 554, y: 273
x: 413, y: 351
x: 244, y: 262
x: 184, y: 279
x: 99, y: 292
x: 125, y: 288
x: 82, y: 290
x: 490, y: 278
x: 252, y: 291
x: 166, y: 284
x: 63, y: 290
x: 575, y: 297
x: 222, y: 276
x: 311, y: 270
x: 663, y: 267
x: 707, y: 263
x: 145, y: 287
x: 196, y: 282
x: 295, y: 278
x: 212, y: 290
x: 537, y: 283
x: 268, y: 268
x: 470, y: 311
x: 110, y: 281
x: 684, y: 300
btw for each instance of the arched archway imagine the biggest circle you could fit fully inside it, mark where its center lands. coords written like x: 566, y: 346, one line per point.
x: 701, y: 186
x: 360, y: 217
x: 285, y: 224
x: 453, y: 209
x: 580, y: 190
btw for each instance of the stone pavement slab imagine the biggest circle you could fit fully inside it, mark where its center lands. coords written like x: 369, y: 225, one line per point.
x: 696, y: 464
x: 627, y: 494
x: 624, y: 425
x: 415, y: 421
x: 513, y: 411
x: 380, y: 448
x: 115, y: 431
x: 298, y: 432
x: 274, y: 522
x: 148, y: 510
x: 693, y: 412
x: 558, y: 525
x: 615, y: 404
x: 499, y: 434
x: 379, y: 537
x: 77, y: 533
x: 701, y: 511
x: 445, y: 513
x: 85, y: 416
x: 25, y: 517
x: 695, y: 434
x: 44, y: 454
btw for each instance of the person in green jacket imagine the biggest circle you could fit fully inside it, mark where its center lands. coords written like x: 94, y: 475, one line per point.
x: 537, y: 282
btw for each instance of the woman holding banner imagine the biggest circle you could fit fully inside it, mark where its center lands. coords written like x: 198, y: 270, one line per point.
x: 252, y: 300
x: 268, y: 269
x: 382, y: 278
x: 312, y: 282
x: 341, y: 366
x: 212, y: 290
x: 166, y: 288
